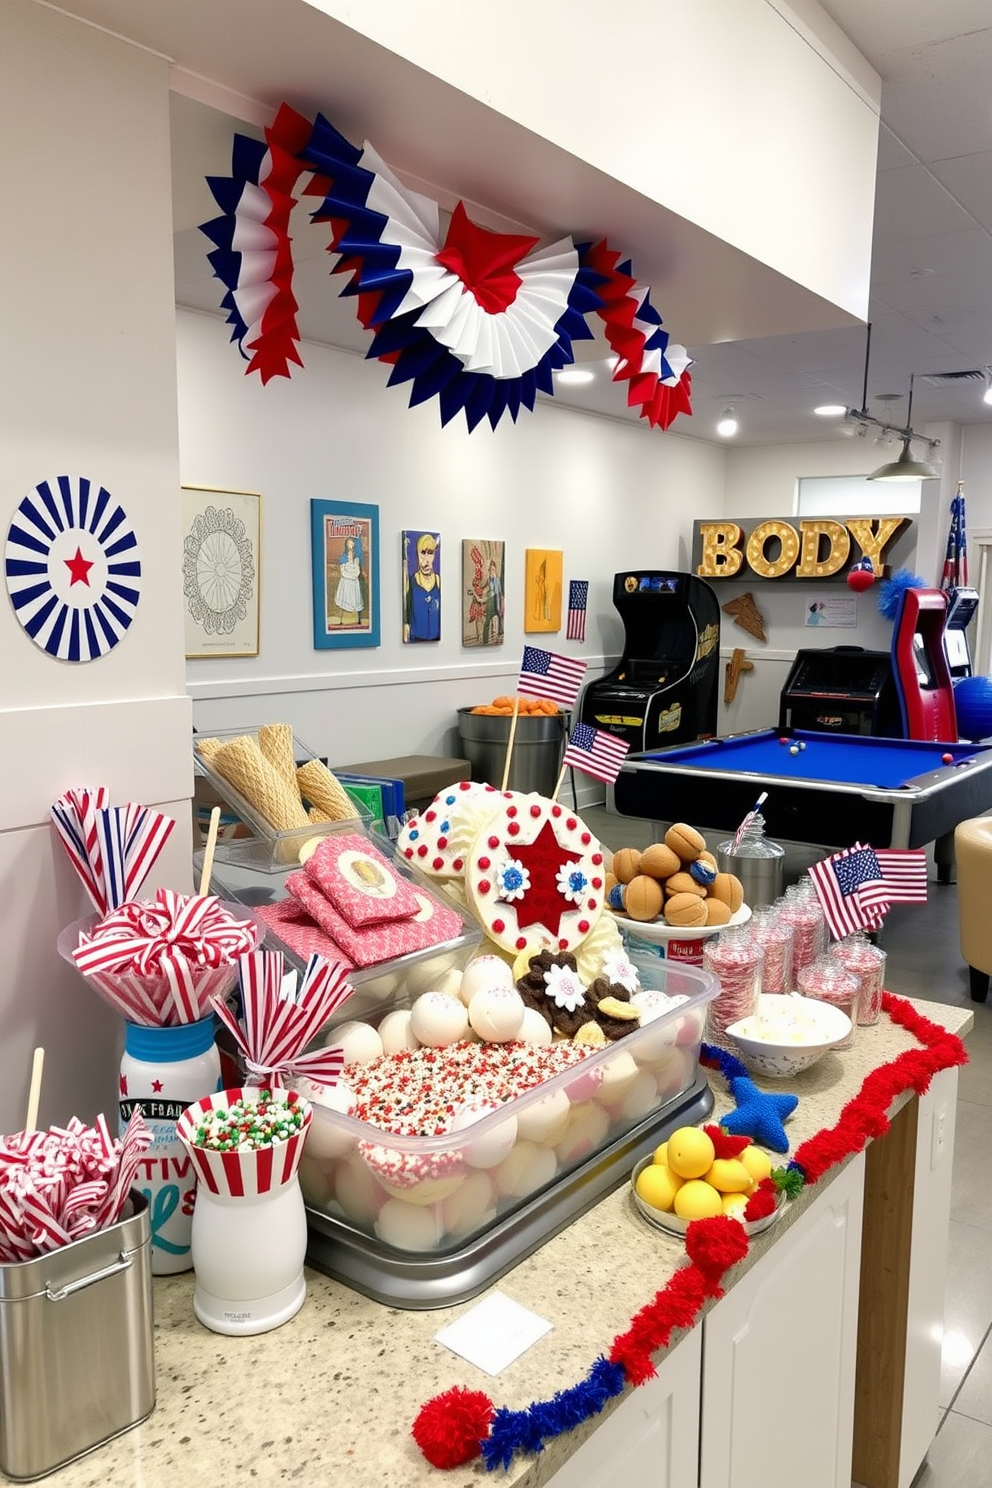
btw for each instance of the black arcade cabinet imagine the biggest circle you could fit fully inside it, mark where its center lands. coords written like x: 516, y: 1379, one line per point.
x: 664, y: 690
x: 841, y: 690
x: 961, y: 606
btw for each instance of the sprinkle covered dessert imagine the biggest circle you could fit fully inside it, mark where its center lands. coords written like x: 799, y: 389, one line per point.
x: 246, y: 1125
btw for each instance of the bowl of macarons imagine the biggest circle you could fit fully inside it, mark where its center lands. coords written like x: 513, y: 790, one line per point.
x: 673, y: 889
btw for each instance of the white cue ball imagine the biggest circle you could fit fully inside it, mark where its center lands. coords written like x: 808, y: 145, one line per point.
x: 794, y: 749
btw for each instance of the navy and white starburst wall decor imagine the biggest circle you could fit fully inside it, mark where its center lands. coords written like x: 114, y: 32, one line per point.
x: 72, y: 567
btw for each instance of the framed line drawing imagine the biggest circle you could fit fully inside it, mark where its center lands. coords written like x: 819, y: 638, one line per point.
x: 222, y: 534
x: 344, y: 540
x: 483, y: 592
x: 543, y: 569
x: 421, y: 586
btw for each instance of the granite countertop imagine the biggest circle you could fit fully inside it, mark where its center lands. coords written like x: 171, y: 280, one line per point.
x: 331, y: 1396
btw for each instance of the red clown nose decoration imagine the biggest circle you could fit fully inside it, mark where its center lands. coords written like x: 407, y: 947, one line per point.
x: 861, y: 576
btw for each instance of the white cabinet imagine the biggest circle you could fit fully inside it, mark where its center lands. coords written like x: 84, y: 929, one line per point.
x: 652, y: 1438
x: 779, y: 1355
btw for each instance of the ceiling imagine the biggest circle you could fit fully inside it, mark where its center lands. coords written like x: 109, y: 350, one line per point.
x: 931, y: 281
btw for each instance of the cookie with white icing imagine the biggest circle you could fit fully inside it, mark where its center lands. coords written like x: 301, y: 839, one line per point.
x: 535, y: 876
x: 437, y: 839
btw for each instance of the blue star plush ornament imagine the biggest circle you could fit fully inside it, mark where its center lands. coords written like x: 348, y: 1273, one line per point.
x: 759, y: 1115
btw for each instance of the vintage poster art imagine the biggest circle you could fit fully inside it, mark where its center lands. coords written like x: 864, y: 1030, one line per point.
x: 221, y: 570
x: 543, y: 569
x: 421, y: 586
x: 483, y: 602
x: 344, y: 540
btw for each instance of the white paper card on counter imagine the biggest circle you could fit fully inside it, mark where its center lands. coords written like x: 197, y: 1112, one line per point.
x: 493, y: 1334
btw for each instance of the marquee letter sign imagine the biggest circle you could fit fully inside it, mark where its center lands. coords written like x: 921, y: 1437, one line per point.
x: 771, y: 548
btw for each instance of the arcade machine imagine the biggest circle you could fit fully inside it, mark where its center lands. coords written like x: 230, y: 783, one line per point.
x: 923, y: 680
x: 664, y: 690
x: 841, y: 690
x: 961, y: 606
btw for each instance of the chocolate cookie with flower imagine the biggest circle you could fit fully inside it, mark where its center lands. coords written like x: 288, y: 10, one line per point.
x: 602, y: 1013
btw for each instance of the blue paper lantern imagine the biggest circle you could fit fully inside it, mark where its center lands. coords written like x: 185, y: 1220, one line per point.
x: 973, y: 705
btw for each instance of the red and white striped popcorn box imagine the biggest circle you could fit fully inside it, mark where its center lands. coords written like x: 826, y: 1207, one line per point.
x: 245, y: 1174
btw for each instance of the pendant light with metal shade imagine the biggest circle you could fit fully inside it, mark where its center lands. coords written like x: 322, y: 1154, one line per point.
x: 905, y: 468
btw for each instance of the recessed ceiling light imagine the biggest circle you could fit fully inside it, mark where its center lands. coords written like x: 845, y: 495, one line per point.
x: 575, y: 375
x: 830, y: 410
x: 727, y: 424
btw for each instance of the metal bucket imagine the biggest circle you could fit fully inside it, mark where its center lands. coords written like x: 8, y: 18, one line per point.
x: 536, y: 749
x: 76, y: 1351
x: 761, y: 877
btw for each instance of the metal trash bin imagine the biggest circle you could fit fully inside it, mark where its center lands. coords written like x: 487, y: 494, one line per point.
x: 537, y: 748
x: 76, y: 1348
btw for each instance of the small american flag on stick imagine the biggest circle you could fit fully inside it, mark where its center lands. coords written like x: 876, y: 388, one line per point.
x: 598, y: 754
x: 578, y: 600
x: 545, y: 674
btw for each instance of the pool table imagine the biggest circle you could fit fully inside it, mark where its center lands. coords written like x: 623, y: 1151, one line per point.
x: 837, y: 788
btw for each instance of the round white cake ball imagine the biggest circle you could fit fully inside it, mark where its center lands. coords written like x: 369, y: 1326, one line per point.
x: 544, y: 1119
x: 360, y: 1042
x: 587, y: 1127
x: 496, y: 1014
x: 407, y: 1227
x: 396, y: 1033
x: 314, y: 1183
x: 619, y: 1074
x: 673, y: 1074
x: 428, y: 976
x: 642, y: 1097
x: 491, y: 1146
x: 585, y: 1084
x: 535, y: 1029
x: 437, y: 1020
x: 327, y: 1137
x: 471, y: 1205
x: 357, y: 1192
x: 526, y: 1169
x: 484, y: 971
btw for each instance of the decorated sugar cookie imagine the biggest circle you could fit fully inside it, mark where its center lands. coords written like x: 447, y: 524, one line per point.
x: 535, y: 875
x: 437, y: 839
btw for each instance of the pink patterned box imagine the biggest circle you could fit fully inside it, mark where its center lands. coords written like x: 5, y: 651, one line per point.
x: 361, y: 884
x: 432, y: 925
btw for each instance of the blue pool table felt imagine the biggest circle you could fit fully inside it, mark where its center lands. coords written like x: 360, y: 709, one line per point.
x: 886, y: 764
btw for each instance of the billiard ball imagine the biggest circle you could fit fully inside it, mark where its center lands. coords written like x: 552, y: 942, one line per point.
x: 794, y: 749
x: 947, y: 759
x: 802, y: 743
x: 783, y: 741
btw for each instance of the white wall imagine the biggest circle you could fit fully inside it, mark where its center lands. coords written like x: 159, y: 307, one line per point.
x: 611, y: 494
x: 88, y: 388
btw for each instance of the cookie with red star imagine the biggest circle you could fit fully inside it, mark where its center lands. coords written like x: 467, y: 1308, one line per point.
x: 535, y: 877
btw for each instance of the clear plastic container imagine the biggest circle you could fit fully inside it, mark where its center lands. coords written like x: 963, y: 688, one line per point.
x: 827, y: 980
x: 867, y: 962
x: 432, y: 1194
x: 736, y: 961
x: 775, y: 936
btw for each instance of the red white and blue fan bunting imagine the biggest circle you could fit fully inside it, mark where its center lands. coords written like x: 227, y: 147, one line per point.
x: 72, y: 567
x: 655, y: 369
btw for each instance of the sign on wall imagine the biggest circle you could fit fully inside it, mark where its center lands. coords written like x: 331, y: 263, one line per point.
x: 813, y: 548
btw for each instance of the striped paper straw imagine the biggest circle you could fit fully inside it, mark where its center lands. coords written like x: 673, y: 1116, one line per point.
x: 279, y: 1020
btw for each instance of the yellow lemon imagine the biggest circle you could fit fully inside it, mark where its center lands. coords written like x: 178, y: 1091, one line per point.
x: 661, y: 1153
x: 757, y: 1162
x: 657, y: 1185
x: 734, y: 1205
x: 690, y: 1152
x: 697, y: 1200
x: 728, y: 1175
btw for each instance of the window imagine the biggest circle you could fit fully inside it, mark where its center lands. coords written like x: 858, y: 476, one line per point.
x: 855, y: 496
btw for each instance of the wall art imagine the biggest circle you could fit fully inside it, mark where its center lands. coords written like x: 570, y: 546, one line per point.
x: 344, y: 540
x: 483, y: 602
x: 543, y: 568
x: 222, y: 534
x: 421, y: 586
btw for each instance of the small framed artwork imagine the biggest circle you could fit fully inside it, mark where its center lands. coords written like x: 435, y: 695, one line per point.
x: 222, y: 533
x: 483, y: 605
x: 543, y: 568
x: 421, y: 586
x: 344, y: 539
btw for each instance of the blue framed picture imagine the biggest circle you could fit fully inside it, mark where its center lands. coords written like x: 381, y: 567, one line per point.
x: 344, y: 540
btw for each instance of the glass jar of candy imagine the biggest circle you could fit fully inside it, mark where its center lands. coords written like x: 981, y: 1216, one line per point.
x: 801, y: 908
x: 826, y: 980
x: 736, y: 960
x: 866, y: 961
x: 775, y: 936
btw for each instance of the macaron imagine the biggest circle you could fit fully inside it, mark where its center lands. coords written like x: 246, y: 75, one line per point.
x: 717, y: 913
x: 626, y: 864
x: 658, y: 861
x: 643, y: 898
x: 728, y: 887
x: 685, y: 841
x: 684, y: 883
x: 686, y: 910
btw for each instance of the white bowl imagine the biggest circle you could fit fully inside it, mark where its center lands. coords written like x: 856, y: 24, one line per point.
x: 767, y: 1052
x: 660, y: 932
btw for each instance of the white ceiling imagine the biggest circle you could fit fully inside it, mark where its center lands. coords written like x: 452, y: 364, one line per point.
x: 931, y: 289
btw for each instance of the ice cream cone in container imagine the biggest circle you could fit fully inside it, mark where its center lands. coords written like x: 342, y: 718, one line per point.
x: 249, y: 1222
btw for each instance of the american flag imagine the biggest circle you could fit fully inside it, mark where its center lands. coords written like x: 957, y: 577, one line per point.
x: 851, y: 889
x: 904, y: 872
x: 594, y: 752
x: 578, y: 599
x: 544, y: 674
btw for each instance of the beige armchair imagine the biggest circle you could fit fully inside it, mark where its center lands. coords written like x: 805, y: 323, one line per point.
x: 973, y: 850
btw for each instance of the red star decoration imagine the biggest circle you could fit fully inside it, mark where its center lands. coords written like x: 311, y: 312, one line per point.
x: 542, y: 904
x: 484, y: 261
x: 79, y: 567
x: 156, y: 1086
x: 123, y: 1084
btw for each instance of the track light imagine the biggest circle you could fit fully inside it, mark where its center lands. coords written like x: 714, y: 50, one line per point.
x: 727, y: 425
x: 905, y: 468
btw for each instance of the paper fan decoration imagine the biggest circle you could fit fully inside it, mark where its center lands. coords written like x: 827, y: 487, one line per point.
x: 656, y: 369
x: 72, y: 568
x: 253, y: 256
x: 478, y: 319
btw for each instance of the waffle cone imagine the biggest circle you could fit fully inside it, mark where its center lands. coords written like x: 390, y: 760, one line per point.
x: 319, y: 787
x: 242, y: 763
x: 208, y: 747
x: 317, y: 816
x: 275, y: 740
